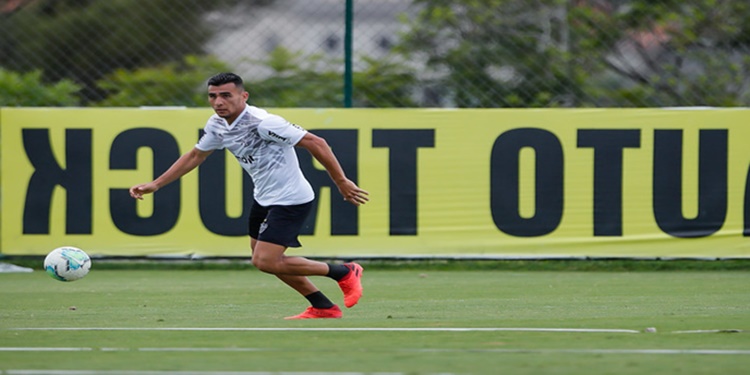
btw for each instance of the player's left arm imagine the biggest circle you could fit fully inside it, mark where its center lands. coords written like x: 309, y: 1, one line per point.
x: 319, y: 149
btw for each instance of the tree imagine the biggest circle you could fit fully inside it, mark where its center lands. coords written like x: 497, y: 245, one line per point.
x: 310, y: 81
x: 518, y: 53
x: 28, y: 90
x: 84, y: 40
x: 383, y: 84
x: 171, y: 84
x: 495, y: 53
x: 669, y: 53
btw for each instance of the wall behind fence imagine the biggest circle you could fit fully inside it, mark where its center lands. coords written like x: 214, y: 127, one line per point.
x: 496, y: 183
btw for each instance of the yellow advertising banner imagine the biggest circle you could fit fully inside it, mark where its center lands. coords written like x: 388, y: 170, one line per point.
x: 443, y: 183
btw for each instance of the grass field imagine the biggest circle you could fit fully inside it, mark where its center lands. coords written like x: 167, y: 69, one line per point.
x: 412, y: 321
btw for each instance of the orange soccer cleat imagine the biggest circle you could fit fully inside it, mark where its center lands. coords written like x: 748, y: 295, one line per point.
x: 315, y: 313
x: 351, y: 284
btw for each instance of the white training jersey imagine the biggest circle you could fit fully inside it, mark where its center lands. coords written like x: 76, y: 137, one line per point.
x: 263, y: 143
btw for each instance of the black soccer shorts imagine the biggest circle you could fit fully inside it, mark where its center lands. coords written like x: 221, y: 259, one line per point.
x: 278, y: 224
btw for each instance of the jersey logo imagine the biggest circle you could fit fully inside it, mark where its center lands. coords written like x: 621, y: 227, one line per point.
x: 247, y: 159
x: 274, y: 135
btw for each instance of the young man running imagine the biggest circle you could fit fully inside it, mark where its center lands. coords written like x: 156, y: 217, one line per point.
x: 263, y: 144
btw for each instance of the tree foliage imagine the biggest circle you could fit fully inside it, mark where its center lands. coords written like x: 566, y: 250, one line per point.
x: 309, y: 81
x: 171, y: 84
x: 670, y: 53
x: 463, y: 53
x: 495, y: 53
x: 28, y: 90
x: 383, y: 83
x: 518, y: 53
x: 83, y: 40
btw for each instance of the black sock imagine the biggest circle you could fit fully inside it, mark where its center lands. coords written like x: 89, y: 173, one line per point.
x: 318, y: 300
x: 337, y: 271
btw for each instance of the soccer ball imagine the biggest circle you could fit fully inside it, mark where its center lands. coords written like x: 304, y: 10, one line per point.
x: 67, y: 263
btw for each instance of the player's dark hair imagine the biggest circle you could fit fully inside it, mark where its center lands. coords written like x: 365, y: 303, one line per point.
x: 224, y: 78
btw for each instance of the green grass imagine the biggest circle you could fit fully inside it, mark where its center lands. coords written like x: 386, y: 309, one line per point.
x: 444, y: 264
x: 671, y: 301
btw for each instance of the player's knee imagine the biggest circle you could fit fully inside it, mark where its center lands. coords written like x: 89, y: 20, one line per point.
x: 258, y: 263
x: 264, y: 264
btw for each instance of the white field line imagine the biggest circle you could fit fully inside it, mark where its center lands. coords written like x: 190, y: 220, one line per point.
x: 592, y: 351
x: 711, y: 331
x: 405, y: 350
x: 44, y: 349
x: 333, y: 329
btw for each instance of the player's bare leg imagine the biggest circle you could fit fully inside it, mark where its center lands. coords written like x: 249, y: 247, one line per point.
x: 301, y: 284
x: 270, y: 258
x: 293, y: 271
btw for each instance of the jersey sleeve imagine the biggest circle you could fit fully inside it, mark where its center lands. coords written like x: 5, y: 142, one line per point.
x: 210, y: 139
x: 277, y: 129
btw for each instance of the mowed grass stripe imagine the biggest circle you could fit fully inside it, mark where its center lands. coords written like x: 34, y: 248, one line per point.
x: 100, y: 372
x: 405, y: 350
x: 335, y: 329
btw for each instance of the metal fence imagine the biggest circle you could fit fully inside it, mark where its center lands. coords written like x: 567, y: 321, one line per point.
x: 402, y: 53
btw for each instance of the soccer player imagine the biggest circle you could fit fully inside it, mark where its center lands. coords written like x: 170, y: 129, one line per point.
x: 263, y: 144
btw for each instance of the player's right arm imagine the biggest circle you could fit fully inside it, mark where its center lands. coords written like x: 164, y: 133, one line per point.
x: 186, y: 163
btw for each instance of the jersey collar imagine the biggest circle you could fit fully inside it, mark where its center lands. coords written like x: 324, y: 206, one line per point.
x: 247, y: 106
